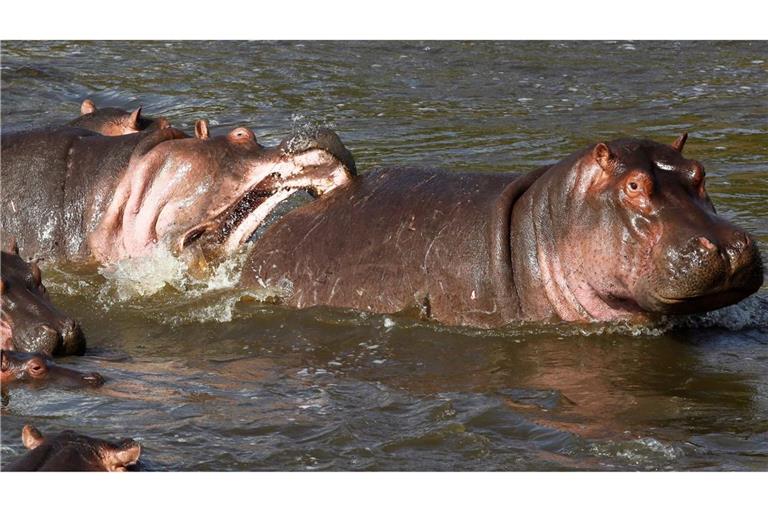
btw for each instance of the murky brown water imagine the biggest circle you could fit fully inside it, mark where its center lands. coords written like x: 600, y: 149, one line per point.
x: 208, y: 381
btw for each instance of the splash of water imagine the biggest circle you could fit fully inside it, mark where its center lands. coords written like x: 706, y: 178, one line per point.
x: 145, y: 275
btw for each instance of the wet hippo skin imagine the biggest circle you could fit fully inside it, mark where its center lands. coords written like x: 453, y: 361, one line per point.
x: 69, y: 451
x: 28, y: 319
x: 619, y: 231
x: 113, y: 121
x: 26, y: 367
x: 73, y: 194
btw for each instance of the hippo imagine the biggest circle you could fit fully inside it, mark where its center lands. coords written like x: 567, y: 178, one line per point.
x: 77, y: 195
x: 23, y: 367
x: 112, y: 121
x: 620, y: 231
x: 28, y: 320
x: 69, y: 451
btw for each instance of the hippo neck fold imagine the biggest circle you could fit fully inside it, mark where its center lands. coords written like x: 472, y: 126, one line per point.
x: 549, y: 272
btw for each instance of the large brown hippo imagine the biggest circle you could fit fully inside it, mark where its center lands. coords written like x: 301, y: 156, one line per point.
x: 622, y: 230
x: 71, y: 193
x: 113, y: 121
x: 28, y: 320
x: 69, y: 451
x: 25, y: 367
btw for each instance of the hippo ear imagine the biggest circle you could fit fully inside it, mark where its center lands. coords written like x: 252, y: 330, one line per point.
x: 31, y: 437
x: 241, y: 134
x: 201, y: 129
x: 87, y: 107
x: 119, y: 457
x: 133, y: 121
x: 680, y: 142
x: 603, y: 156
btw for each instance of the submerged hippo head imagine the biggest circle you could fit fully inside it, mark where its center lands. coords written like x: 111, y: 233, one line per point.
x: 112, y: 121
x: 208, y: 195
x: 634, y: 232
x: 69, y: 451
x: 28, y: 320
x: 25, y: 367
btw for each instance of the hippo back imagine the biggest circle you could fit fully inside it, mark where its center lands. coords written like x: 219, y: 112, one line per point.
x: 398, y: 239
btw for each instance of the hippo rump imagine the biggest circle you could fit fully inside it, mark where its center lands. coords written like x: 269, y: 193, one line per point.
x: 69, y: 451
x: 113, y: 121
x: 73, y: 194
x: 622, y: 230
x: 28, y: 319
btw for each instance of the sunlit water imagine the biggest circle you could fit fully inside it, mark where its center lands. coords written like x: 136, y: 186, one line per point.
x: 210, y: 377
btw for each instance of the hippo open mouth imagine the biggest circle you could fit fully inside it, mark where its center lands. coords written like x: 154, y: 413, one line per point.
x: 316, y: 163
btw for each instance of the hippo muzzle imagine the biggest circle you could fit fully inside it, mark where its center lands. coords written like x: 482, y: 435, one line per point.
x: 30, y: 321
x: 705, y: 272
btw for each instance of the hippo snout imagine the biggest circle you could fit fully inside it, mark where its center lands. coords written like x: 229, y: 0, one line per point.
x: 706, y: 272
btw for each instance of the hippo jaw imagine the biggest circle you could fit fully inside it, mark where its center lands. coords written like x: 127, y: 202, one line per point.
x: 316, y: 166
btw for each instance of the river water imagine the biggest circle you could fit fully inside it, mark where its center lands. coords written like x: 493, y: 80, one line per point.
x: 209, y: 377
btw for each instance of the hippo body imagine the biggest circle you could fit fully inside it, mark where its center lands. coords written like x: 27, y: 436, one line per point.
x: 113, y: 121
x: 619, y: 231
x: 55, y: 184
x: 74, y: 194
x: 69, y: 451
x: 443, y: 253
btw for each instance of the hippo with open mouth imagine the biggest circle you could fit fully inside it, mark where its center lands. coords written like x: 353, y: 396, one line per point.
x: 28, y: 320
x: 622, y: 230
x: 74, y: 194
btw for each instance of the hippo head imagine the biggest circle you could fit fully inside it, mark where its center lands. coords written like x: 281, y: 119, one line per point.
x: 69, y: 451
x: 205, y: 196
x: 36, y: 367
x: 29, y: 321
x: 111, y: 121
x: 636, y: 235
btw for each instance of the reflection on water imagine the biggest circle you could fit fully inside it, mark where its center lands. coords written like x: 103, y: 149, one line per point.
x: 207, y: 378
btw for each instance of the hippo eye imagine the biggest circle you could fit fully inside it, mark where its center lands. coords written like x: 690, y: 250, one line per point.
x: 633, y: 185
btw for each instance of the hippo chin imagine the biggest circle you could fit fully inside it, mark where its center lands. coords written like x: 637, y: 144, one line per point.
x: 74, y: 194
x: 28, y: 320
x: 112, y: 121
x: 69, y: 451
x: 25, y: 367
x: 619, y: 231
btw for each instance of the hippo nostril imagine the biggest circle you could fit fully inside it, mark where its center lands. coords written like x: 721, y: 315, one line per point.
x: 707, y: 244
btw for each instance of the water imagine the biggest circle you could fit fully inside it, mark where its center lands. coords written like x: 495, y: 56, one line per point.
x: 208, y: 377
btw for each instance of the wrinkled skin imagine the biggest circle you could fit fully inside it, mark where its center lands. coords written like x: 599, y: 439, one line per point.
x: 25, y: 367
x: 124, y: 196
x: 69, y: 451
x: 29, y: 322
x: 112, y: 121
x: 619, y: 231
